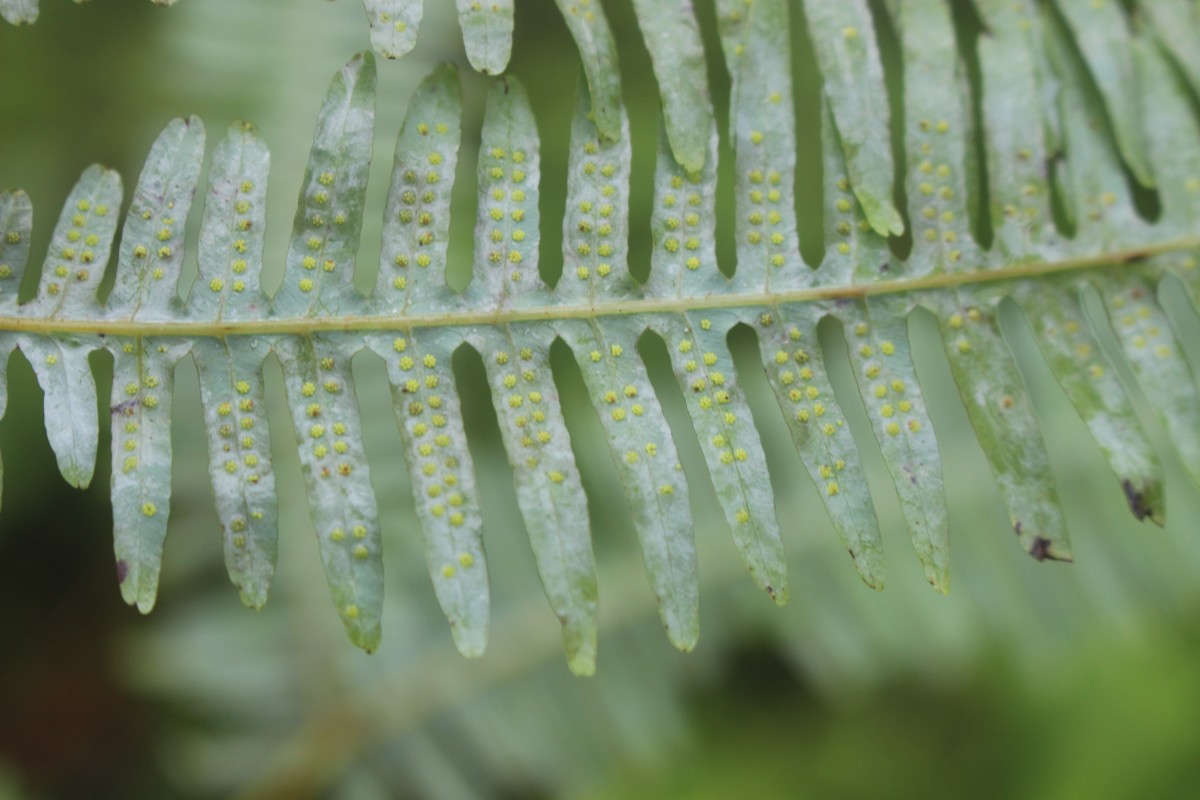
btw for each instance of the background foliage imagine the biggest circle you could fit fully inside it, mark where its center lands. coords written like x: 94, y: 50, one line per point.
x: 1041, y: 679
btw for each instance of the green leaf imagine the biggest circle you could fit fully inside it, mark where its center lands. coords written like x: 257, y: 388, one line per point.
x: 320, y: 259
x: 796, y: 372
x: 1001, y: 413
x: 232, y: 232
x: 672, y: 36
x: 16, y: 226
x: 764, y: 140
x: 598, y: 50
x: 74, y: 266
x: 547, y: 481
x: 487, y: 27
x: 1078, y: 361
x: 1102, y: 35
x: 239, y: 460
x: 877, y: 337
x: 325, y: 417
x: 506, y: 227
x: 647, y: 464
x: 935, y: 138
x: 596, y: 224
x: 19, y: 12
x: 1041, y: 112
x: 732, y: 450
x: 143, y: 372
x: 843, y: 36
x: 443, y: 478
x: 394, y: 25
x: 1176, y: 23
x: 412, y: 263
x: 152, y: 239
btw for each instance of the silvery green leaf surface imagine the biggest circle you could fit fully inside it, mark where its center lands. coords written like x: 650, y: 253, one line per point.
x: 442, y: 473
x: 239, y: 460
x: 598, y: 50
x: 16, y: 225
x: 19, y: 12
x: 416, y: 231
x: 732, y: 449
x: 763, y: 129
x: 342, y: 504
x: 596, y: 224
x: 1101, y: 31
x: 320, y: 259
x: 233, y: 230
x: 394, y: 25
x: 672, y: 36
x: 1051, y: 118
x: 487, y: 27
x: 153, y: 236
x: 506, y: 222
x: 877, y: 339
x: 546, y: 478
x: 843, y: 36
x: 143, y: 374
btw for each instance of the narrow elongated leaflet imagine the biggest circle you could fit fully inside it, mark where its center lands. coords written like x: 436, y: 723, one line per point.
x: 887, y: 381
x: 648, y: 466
x: 1065, y: 338
x: 598, y: 50
x: 549, y: 491
x: 153, y: 236
x: 763, y: 126
x: 1101, y: 32
x: 796, y: 371
x: 672, y: 36
x: 732, y: 449
x: 843, y: 36
x: 416, y: 230
x: 341, y: 500
x: 318, y: 277
x: 233, y: 229
x: 596, y: 225
x: 74, y: 266
x: 440, y: 467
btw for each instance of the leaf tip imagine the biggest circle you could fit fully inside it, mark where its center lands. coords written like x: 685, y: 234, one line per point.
x: 1146, y: 501
x: 470, y: 640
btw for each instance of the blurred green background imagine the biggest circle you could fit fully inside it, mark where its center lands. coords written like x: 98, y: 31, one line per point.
x: 1037, y: 680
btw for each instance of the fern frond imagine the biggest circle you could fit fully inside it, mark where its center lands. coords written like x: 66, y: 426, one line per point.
x: 1044, y: 100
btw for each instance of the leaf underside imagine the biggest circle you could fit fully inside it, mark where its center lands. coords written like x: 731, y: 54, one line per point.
x: 1099, y: 93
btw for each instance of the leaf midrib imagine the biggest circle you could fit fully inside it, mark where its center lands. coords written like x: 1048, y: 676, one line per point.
x: 302, y: 326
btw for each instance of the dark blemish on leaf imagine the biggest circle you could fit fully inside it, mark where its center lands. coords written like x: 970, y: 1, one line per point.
x: 885, y: 266
x: 1040, y: 549
x: 1136, y: 500
x: 124, y: 408
x: 122, y: 570
x: 1017, y: 527
x: 1134, y: 258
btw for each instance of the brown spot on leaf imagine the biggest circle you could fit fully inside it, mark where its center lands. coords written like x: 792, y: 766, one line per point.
x: 1040, y: 549
x: 1136, y: 500
x: 122, y: 570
